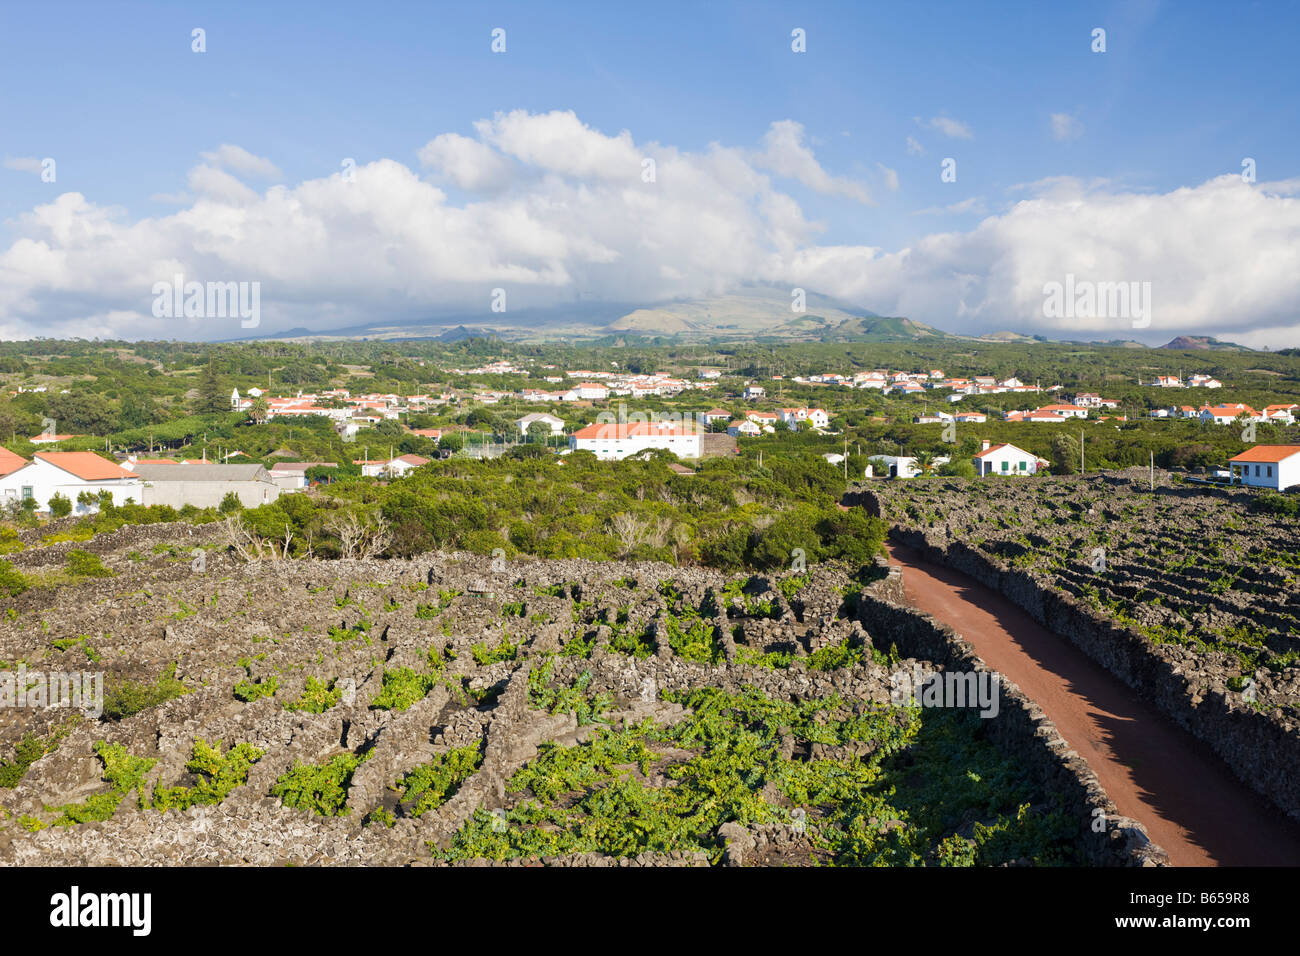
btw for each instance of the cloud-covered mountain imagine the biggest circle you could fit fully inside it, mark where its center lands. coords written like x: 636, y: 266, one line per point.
x: 538, y: 211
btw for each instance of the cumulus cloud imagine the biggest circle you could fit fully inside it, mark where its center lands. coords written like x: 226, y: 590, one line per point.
x: 948, y: 126
x: 560, y: 209
x: 466, y: 163
x: 914, y: 148
x: 786, y: 155
x: 236, y: 159
x: 1065, y: 126
x: 1223, y: 258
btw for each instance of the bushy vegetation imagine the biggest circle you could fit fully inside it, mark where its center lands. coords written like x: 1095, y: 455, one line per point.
x: 128, y: 698
x: 321, y: 788
x: 927, y: 778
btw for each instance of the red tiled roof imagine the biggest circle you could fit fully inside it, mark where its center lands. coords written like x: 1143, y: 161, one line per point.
x: 1268, y: 453
x: 86, y: 465
x: 10, y: 462
x: 612, y: 430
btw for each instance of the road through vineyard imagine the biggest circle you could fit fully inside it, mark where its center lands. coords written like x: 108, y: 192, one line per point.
x: 1155, y: 772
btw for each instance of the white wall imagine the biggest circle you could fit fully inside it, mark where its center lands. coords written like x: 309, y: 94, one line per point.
x: 992, y: 464
x: 45, y: 480
x: 1285, y: 473
x: 612, y: 449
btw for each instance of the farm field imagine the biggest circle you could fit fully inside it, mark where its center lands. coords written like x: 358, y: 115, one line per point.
x: 1209, y: 570
x: 449, y: 710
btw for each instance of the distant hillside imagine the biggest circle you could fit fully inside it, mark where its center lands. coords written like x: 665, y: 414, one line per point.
x: 885, y: 329
x: 753, y: 313
x: 1203, y: 343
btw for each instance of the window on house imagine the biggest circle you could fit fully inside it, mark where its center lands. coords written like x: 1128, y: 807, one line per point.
x: 27, y: 492
x: 1004, y: 466
x: 1257, y: 471
x: 1270, y: 471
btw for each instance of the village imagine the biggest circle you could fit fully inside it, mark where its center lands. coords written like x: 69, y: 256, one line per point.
x: 573, y: 396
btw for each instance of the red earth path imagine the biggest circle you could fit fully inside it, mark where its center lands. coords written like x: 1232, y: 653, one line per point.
x: 1156, y: 773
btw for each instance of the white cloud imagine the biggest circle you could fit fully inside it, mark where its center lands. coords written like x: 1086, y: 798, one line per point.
x: 1065, y: 126
x: 212, y: 183
x: 1223, y: 258
x: 973, y: 205
x: 466, y: 163
x: 786, y: 155
x: 914, y: 148
x: 23, y: 164
x: 239, y: 160
x: 948, y: 126
x: 891, y: 177
x: 575, y: 216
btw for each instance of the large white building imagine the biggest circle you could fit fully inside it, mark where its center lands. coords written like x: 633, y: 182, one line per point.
x: 611, y: 441
x: 69, y: 473
x: 1267, y: 466
x: 1004, y: 460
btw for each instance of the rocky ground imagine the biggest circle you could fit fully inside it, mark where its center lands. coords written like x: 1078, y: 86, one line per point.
x: 456, y: 710
x: 1181, y: 564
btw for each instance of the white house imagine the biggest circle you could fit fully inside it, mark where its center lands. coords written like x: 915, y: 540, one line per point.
x: 745, y: 427
x: 905, y: 466
x: 1267, y: 466
x: 1004, y: 460
x: 556, y: 425
x: 391, y: 467
x: 611, y: 441
x: 1068, y: 411
x: 69, y: 473
x: 592, y: 392
x: 1228, y: 413
x: 754, y: 391
x: 715, y: 415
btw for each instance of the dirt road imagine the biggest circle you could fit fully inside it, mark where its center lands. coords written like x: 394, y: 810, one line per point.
x: 1154, y: 771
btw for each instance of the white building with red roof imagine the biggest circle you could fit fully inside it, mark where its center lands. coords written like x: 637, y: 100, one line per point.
x: 68, y: 473
x: 1004, y: 460
x: 612, y: 441
x: 1267, y: 466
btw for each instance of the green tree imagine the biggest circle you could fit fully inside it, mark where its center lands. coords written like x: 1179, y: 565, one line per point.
x: 212, y: 397
x: 60, y: 505
x: 1065, y: 454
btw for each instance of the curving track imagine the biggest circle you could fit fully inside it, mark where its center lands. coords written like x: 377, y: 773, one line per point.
x: 1154, y: 771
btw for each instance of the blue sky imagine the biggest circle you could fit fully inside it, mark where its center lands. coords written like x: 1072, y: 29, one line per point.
x: 1182, y: 94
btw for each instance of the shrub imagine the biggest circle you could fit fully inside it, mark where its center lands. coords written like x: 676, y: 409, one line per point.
x: 12, y: 581
x: 320, y: 788
x: 60, y: 505
x: 83, y: 564
x: 131, y: 697
x: 317, y: 698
